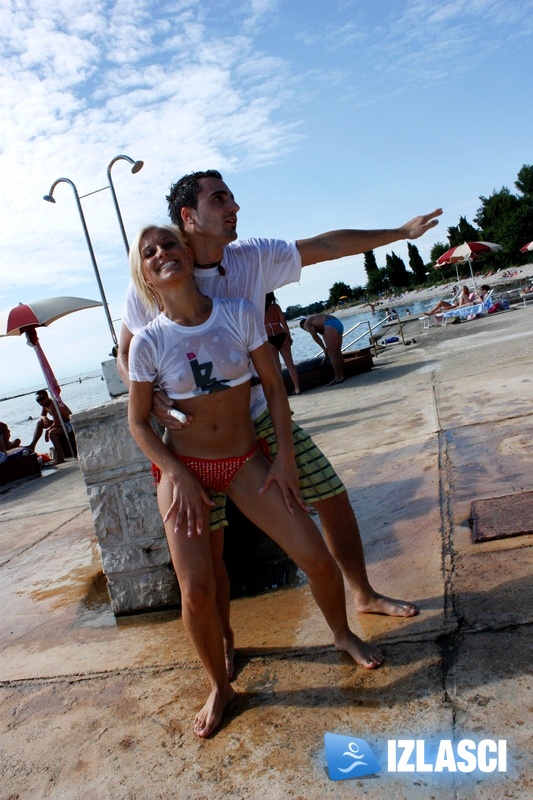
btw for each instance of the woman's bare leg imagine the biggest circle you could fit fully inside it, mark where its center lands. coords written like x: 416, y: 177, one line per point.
x: 193, y: 562
x: 333, y: 340
x: 286, y: 353
x: 297, y: 534
x: 223, y: 598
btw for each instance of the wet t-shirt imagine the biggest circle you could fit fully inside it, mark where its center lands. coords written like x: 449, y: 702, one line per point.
x: 193, y: 361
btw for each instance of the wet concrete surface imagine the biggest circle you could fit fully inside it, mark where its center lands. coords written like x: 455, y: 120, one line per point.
x: 94, y: 707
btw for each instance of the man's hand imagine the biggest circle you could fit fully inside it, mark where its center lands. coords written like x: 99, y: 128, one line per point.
x: 161, y: 406
x: 418, y: 226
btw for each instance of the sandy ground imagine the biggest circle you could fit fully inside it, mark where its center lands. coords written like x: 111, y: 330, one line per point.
x: 93, y: 708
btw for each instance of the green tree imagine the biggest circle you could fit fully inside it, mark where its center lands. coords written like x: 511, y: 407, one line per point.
x: 377, y: 279
x: 338, y: 290
x: 397, y: 272
x: 524, y: 181
x: 505, y: 219
x: 416, y: 263
x: 463, y: 232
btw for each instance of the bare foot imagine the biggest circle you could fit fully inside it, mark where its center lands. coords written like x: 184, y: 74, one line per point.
x: 363, y: 653
x: 229, y: 655
x: 379, y: 604
x: 209, y: 718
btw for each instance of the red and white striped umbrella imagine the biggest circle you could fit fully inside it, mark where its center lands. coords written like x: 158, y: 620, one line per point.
x: 466, y: 252
x: 526, y: 247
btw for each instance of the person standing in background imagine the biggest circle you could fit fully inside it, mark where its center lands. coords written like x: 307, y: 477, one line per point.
x: 280, y: 339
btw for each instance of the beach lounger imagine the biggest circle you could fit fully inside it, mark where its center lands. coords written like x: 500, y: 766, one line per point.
x: 468, y: 312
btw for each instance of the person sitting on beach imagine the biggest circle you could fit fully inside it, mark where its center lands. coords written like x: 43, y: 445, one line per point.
x: 50, y: 423
x: 332, y: 330
x: 200, y: 351
x: 479, y: 296
x: 279, y: 338
x: 444, y: 305
x: 5, y: 439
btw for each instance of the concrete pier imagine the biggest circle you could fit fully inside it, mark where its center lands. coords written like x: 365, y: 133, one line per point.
x: 96, y: 707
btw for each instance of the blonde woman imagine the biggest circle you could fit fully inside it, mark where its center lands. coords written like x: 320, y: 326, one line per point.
x: 200, y: 350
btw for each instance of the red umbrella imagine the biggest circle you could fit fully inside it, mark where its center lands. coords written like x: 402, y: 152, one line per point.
x: 526, y: 247
x: 466, y: 252
x: 26, y: 317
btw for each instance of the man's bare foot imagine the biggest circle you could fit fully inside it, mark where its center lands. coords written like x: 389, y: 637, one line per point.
x: 379, y: 604
x: 209, y: 718
x: 229, y: 655
x: 363, y: 653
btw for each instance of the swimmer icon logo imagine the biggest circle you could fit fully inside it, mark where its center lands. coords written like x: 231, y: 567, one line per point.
x: 348, y: 757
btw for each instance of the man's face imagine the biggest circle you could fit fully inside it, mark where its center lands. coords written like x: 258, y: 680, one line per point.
x: 216, y: 215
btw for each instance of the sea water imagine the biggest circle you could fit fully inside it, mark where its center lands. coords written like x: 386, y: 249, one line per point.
x: 20, y: 411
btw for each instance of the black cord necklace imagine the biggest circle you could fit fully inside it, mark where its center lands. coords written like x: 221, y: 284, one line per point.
x: 217, y: 264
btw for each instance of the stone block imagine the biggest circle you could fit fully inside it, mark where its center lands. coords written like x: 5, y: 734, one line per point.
x: 137, y: 592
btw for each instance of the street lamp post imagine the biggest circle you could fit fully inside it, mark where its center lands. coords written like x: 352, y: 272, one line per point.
x: 136, y: 167
x: 50, y: 199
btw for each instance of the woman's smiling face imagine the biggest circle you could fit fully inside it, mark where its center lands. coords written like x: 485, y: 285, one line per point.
x: 164, y: 257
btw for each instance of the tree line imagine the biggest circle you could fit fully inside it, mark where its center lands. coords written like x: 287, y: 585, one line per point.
x: 504, y: 218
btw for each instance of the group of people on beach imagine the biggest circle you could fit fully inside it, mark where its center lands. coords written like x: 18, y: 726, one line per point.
x: 53, y: 421
x: 194, y: 327
x: 463, y: 297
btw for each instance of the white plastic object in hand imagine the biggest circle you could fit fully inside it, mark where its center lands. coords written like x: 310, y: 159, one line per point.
x: 179, y: 415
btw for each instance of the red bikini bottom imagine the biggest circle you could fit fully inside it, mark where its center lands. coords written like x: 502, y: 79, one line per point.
x: 215, y: 474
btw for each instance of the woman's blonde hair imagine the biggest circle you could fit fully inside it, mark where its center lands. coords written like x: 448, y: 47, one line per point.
x: 149, y: 296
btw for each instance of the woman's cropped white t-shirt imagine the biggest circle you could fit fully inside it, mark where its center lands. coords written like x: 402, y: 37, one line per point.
x: 193, y: 361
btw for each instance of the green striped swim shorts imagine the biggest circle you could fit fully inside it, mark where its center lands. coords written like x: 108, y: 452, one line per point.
x: 318, y: 479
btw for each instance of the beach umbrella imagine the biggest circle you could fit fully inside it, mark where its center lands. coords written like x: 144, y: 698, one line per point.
x: 466, y: 252
x: 27, y: 317
x: 526, y: 247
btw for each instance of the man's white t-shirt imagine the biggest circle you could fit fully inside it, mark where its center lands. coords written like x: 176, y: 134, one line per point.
x: 253, y: 268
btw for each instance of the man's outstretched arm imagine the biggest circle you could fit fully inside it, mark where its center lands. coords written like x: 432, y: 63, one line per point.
x: 338, y: 244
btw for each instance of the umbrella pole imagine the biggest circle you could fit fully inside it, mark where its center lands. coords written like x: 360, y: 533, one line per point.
x: 61, y: 420
x: 472, y: 274
x: 51, y: 388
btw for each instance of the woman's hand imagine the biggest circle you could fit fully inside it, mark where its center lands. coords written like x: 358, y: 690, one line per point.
x: 188, y: 500
x: 285, y: 473
x: 161, y: 405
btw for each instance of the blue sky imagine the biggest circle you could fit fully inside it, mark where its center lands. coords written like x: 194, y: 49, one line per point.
x: 351, y: 113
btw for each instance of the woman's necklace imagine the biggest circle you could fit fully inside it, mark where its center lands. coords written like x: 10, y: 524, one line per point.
x: 217, y: 264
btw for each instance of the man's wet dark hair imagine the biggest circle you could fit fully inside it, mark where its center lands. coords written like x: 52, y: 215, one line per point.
x: 302, y: 322
x: 184, y: 194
